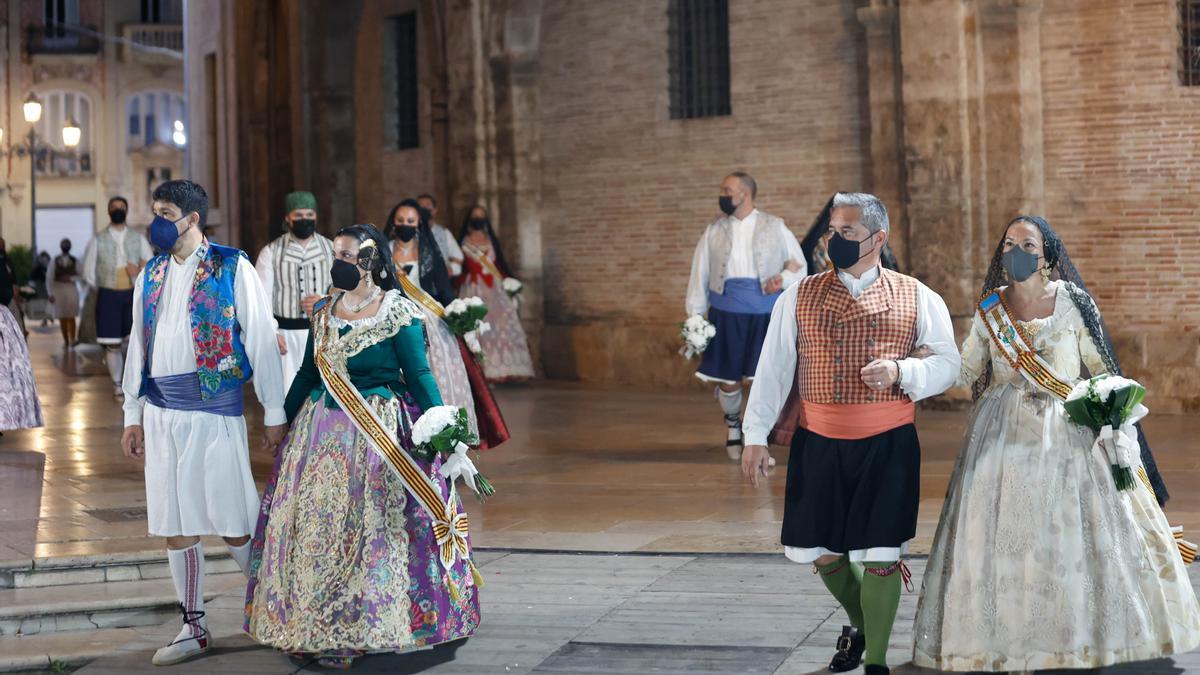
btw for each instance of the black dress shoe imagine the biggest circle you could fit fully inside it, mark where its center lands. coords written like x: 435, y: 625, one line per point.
x: 871, y: 669
x: 850, y: 648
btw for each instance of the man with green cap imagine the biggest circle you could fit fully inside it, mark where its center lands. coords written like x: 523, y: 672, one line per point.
x: 295, y: 272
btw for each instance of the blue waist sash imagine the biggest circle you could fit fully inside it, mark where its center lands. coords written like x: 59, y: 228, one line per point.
x: 182, y: 392
x: 743, y: 296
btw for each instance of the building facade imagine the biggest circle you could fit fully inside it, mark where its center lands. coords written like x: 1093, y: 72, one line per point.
x: 597, y: 134
x: 116, y: 69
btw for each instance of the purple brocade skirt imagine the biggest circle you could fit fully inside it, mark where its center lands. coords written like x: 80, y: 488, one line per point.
x: 344, y: 562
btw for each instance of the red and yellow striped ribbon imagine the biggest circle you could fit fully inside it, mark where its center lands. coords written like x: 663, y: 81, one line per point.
x: 449, y: 525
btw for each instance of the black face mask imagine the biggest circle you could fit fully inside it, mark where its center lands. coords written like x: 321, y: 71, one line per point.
x: 345, y: 276
x: 844, y: 253
x: 117, y: 216
x: 405, y: 233
x: 303, y: 228
x: 479, y: 223
x: 726, y: 204
x: 66, y: 248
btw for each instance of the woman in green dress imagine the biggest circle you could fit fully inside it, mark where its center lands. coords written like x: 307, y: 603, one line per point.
x: 345, y: 560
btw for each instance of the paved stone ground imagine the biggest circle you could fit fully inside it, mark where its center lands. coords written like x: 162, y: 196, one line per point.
x: 597, y: 613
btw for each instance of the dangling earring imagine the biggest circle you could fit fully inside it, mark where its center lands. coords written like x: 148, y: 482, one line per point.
x: 1046, y: 272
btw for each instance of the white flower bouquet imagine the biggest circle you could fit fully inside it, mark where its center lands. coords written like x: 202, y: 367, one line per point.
x: 464, y: 316
x: 444, y: 430
x: 1111, y: 405
x: 27, y: 292
x: 696, y: 332
x: 512, y: 286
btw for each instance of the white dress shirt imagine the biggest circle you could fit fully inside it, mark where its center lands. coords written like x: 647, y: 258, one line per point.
x: 741, y: 262
x: 174, y: 351
x: 451, y: 251
x: 919, y: 378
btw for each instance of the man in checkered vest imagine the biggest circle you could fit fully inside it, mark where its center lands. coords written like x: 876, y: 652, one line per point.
x: 840, y: 341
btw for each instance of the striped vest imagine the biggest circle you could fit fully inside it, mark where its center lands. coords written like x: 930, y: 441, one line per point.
x: 299, y: 272
x: 838, y: 335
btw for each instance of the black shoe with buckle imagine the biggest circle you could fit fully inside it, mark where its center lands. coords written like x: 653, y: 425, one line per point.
x: 850, y: 648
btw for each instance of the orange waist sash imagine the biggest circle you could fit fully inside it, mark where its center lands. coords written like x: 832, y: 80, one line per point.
x: 855, y: 421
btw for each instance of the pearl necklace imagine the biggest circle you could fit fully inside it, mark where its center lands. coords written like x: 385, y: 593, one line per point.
x: 355, y: 309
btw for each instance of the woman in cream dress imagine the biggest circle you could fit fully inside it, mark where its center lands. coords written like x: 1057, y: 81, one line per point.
x: 1039, y: 562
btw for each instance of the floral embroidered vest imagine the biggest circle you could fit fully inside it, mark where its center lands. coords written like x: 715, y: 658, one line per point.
x: 221, y: 361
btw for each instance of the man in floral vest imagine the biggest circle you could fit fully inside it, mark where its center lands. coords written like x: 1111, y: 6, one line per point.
x: 201, y: 327
x: 843, y: 340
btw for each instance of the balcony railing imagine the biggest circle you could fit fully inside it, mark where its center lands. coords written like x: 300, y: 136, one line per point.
x: 54, y: 163
x: 61, y: 40
x: 152, y: 41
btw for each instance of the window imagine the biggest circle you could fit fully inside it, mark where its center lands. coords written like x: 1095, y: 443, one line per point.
x: 211, y: 149
x: 60, y: 12
x: 404, y: 36
x: 59, y: 107
x: 155, y: 117
x: 1189, y: 47
x: 698, y: 63
x: 162, y: 11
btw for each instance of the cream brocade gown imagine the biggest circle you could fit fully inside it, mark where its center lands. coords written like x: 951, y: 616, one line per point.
x: 1039, y: 561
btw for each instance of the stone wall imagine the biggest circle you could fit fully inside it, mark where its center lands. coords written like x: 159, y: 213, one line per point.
x: 1122, y: 142
x: 627, y: 191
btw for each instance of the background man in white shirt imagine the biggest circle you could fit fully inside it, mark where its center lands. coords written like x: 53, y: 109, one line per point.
x: 742, y: 263
x: 451, y: 251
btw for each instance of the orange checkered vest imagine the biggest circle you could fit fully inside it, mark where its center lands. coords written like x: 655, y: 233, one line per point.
x: 837, y: 335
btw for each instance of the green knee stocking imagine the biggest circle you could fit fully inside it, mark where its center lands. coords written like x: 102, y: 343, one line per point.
x: 844, y: 580
x: 880, y: 600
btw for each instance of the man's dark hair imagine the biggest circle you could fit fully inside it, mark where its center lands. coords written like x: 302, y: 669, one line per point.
x: 747, y: 181
x: 185, y: 194
x: 118, y: 198
x: 429, y: 197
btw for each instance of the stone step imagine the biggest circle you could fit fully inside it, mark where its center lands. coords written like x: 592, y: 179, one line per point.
x: 87, y: 607
x: 108, y: 567
x: 57, y: 652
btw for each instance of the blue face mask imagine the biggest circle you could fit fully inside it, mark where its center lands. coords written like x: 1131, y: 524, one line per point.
x: 163, y: 233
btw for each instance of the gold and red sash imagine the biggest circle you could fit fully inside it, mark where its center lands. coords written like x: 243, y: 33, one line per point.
x: 419, y: 296
x: 1016, y: 347
x: 485, y: 260
x: 449, y: 525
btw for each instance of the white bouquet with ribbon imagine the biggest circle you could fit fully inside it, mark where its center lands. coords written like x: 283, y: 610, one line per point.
x: 696, y: 332
x: 1111, y: 405
x: 512, y: 286
x: 464, y: 316
x: 444, y: 430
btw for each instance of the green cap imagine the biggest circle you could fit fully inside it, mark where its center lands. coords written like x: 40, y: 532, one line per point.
x: 299, y: 200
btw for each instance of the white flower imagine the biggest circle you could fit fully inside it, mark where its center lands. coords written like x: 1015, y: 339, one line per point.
x: 482, y: 328
x: 1079, y: 391
x: 474, y: 301
x: 512, y: 285
x: 1106, y: 386
x: 472, y: 340
x: 456, y: 306
x: 433, y: 422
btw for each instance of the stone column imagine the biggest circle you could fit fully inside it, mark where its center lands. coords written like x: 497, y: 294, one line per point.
x: 1011, y: 99
x: 518, y: 179
x: 937, y: 132
x: 885, y: 173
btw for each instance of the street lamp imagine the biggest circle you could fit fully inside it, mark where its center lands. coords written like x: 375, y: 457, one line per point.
x: 71, y: 135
